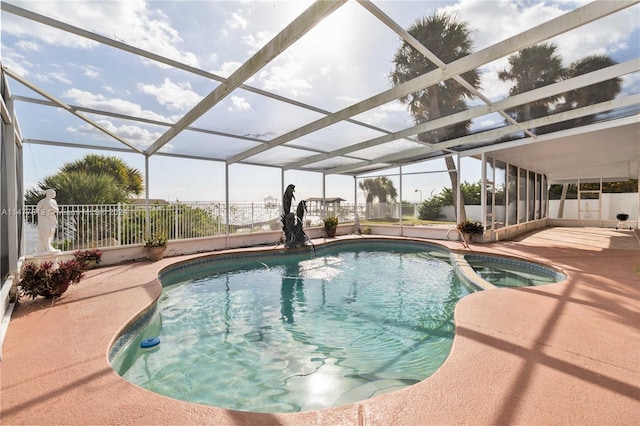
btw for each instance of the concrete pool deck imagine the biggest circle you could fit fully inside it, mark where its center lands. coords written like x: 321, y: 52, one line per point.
x: 565, y: 353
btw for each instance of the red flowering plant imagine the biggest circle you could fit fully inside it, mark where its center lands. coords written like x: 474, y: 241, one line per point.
x: 48, y: 279
x: 85, y: 257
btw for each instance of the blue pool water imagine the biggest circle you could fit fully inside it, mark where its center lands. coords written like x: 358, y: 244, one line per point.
x: 296, y: 334
x: 292, y: 333
x: 505, y: 272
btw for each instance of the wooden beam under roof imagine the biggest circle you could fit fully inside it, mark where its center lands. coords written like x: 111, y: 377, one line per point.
x: 285, y: 38
x: 558, y: 88
x: 66, y: 107
x: 27, y: 14
x: 410, y: 155
x: 544, y: 31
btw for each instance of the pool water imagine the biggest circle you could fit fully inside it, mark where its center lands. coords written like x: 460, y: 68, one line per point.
x: 504, y: 273
x: 292, y: 334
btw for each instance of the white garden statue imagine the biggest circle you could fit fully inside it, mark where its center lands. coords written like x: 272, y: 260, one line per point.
x: 47, y: 223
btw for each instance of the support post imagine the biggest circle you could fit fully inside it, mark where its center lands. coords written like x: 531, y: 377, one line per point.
x: 226, y: 203
x: 459, y: 199
x: 147, y: 215
x: 400, y: 196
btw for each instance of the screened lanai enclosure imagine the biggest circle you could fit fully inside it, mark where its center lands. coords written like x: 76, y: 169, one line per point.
x: 518, y: 116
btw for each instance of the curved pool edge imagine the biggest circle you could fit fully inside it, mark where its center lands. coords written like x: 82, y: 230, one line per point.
x: 129, y: 334
x: 130, y: 331
x: 559, y: 377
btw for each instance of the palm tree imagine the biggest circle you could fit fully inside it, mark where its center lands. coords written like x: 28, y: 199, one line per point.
x: 79, y: 188
x: 585, y: 96
x: 531, y: 68
x: 380, y: 187
x: 127, y: 178
x: 595, y: 93
x: 449, y: 40
x: 94, y: 179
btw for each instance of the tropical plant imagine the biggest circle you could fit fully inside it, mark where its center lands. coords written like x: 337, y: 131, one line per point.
x: 330, y: 226
x: 588, y: 95
x: 48, y: 279
x: 449, y: 40
x: 331, y: 223
x: 431, y: 208
x: 94, y: 179
x: 78, y: 188
x: 156, y: 240
x: 379, y: 187
x: 201, y: 221
x: 595, y: 93
x: 85, y: 257
x: 127, y: 178
x: 471, y: 227
x: 531, y: 68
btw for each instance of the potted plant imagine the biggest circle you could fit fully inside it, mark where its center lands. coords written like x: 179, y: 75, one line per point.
x: 88, y: 259
x: 471, y: 228
x: 330, y: 225
x: 155, y: 246
x: 48, y: 279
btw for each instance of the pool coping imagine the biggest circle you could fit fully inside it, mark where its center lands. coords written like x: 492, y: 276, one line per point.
x: 130, y: 333
x: 544, y: 369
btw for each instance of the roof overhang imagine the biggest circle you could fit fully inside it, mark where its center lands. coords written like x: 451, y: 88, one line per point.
x: 610, y: 150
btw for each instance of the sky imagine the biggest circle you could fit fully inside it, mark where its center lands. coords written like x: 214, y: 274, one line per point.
x: 343, y: 60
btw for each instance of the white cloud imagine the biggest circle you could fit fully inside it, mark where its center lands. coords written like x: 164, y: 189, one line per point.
x: 606, y: 36
x: 29, y: 46
x: 236, y: 21
x: 131, y: 22
x: 53, y: 75
x: 286, y: 78
x: 16, y: 62
x: 173, y: 96
x: 135, y: 135
x: 506, y: 18
x: 492, y: 87
x: 257, y: 41
x: 239, y: 104
x: 392, y: 116
x: 227, y: 68
x: 509, y: 18
x: 91, y: 71
x: 97, y: 101
x: 631, y: 84
x: 60, y: 76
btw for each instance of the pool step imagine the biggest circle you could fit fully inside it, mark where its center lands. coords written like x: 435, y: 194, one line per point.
x: 378, y: 384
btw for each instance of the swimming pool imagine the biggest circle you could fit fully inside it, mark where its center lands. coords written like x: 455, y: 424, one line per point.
x: 507, y: 272
x: 292, y: 332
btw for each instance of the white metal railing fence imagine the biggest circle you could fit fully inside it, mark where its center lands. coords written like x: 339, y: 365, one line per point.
x: 106, y: 225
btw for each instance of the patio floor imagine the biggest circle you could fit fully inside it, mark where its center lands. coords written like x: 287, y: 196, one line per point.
x: 566, y: 353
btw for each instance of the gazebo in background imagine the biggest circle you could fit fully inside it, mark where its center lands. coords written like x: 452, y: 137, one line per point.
x: 270, y: 202
x: 315, y: 206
